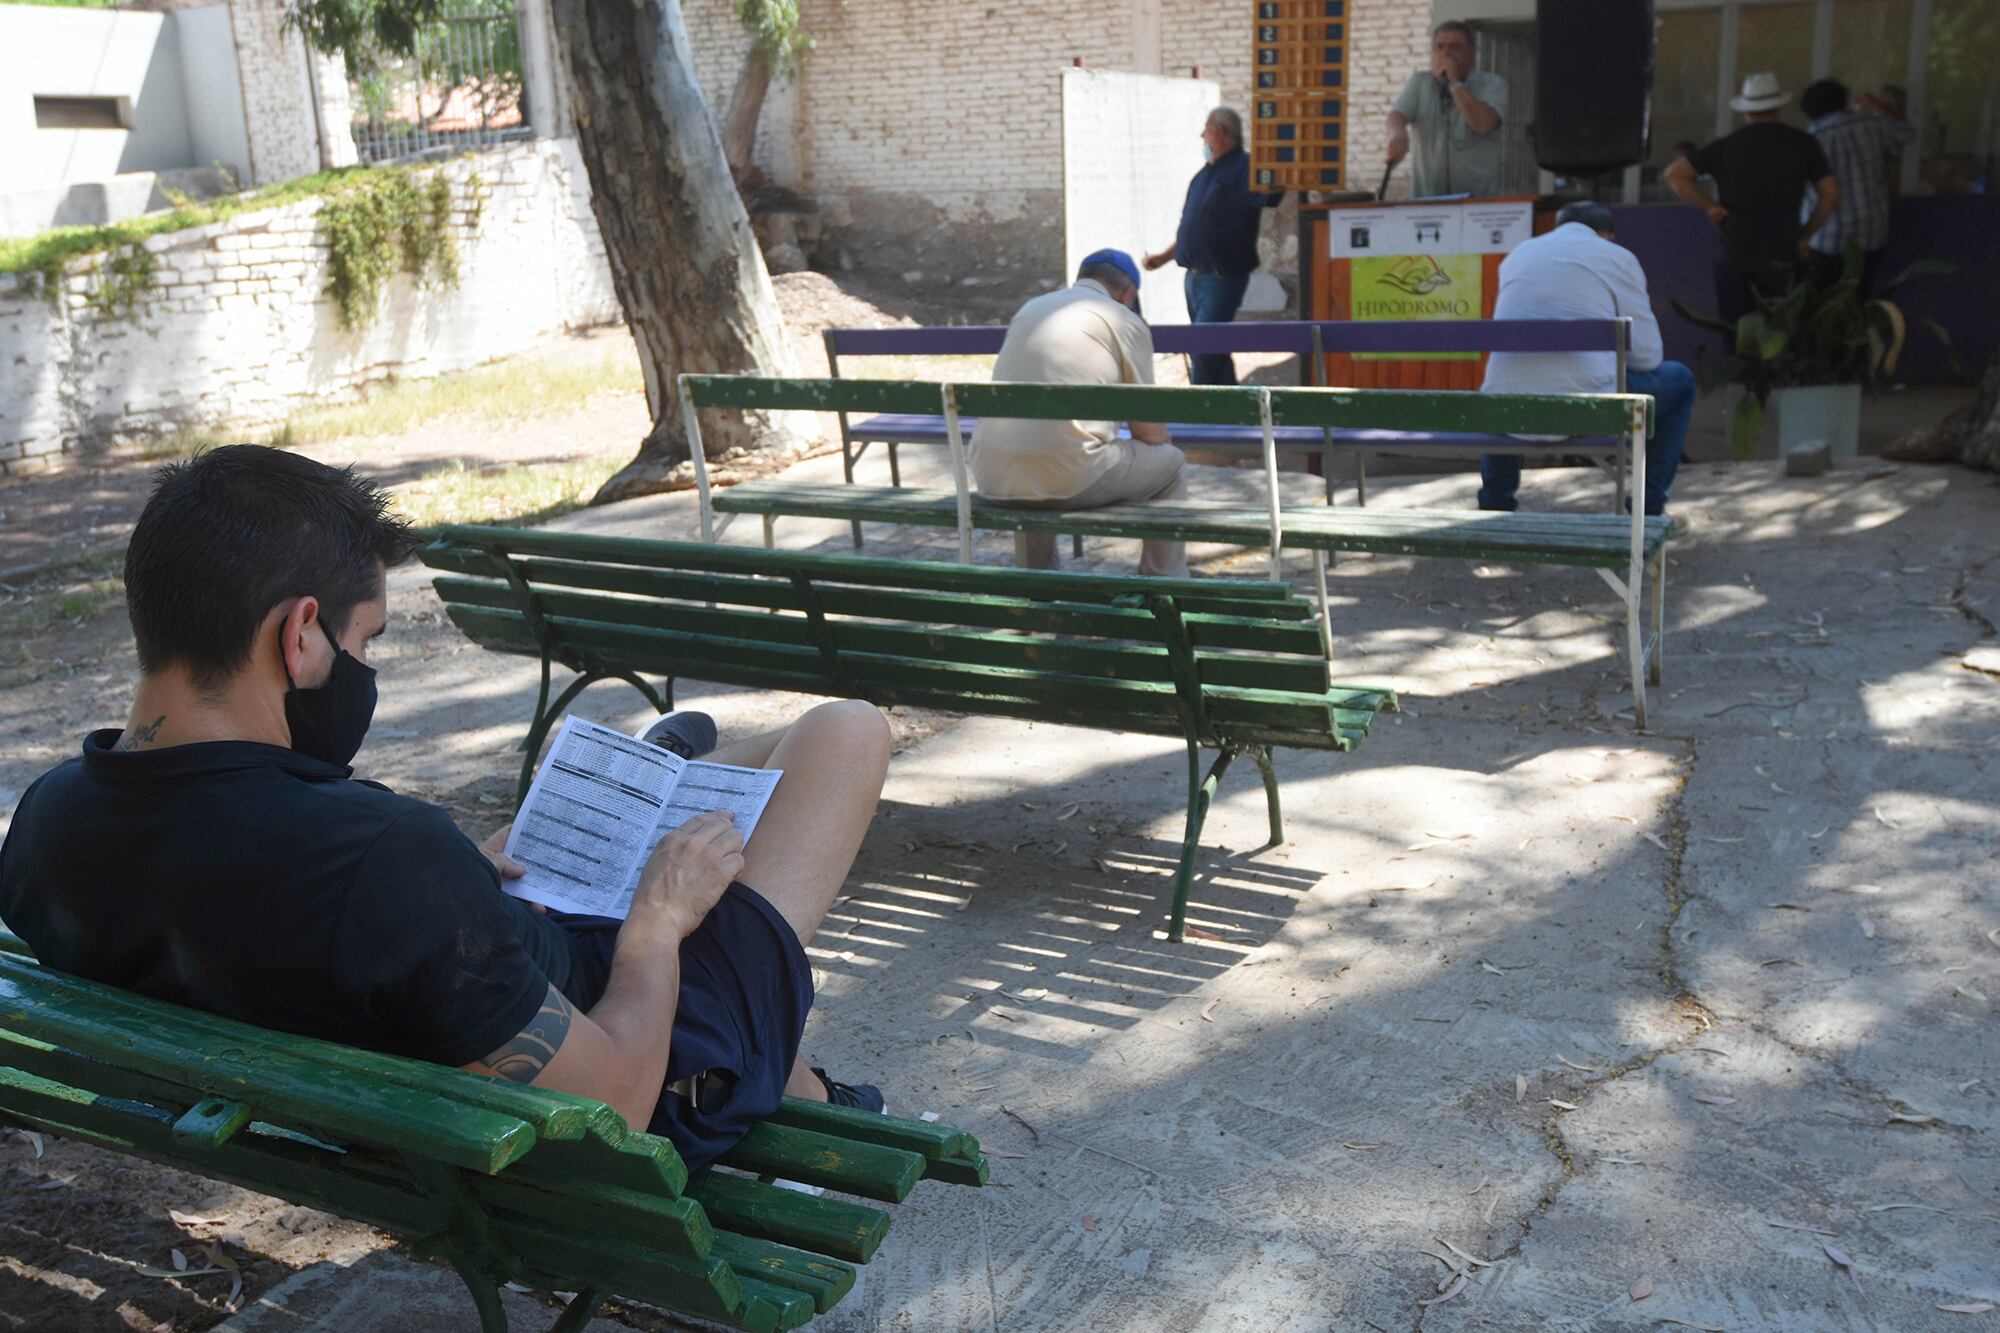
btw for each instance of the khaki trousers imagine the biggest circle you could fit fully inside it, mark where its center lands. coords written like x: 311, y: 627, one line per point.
x: 1142, y: 472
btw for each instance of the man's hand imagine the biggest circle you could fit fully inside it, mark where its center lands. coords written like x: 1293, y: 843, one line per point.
x: 1716, y: 213
x: 687, y: 873
x: 1156, y: 261
x: 495, y: 848
x: 1399, y: 147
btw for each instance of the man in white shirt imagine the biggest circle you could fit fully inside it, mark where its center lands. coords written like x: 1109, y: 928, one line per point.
x: 1577, y: 271
x: 1456, y: 111
x: 1089, y: 333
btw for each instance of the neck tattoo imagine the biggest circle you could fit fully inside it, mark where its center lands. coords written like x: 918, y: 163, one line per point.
x: 145, y: 735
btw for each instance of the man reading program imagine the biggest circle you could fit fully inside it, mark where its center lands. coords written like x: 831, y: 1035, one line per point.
x: 218, y: 851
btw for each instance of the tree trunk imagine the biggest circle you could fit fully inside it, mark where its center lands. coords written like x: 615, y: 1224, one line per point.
x: 683, y: 260
x: 746, y: 105
x: 1970, y: 435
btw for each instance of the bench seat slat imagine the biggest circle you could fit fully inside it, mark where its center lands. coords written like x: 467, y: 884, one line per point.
x: 279, y: 1086
x: 824, y: 1281
x: 812, y: 1158
x: 932, y: 429
x: 825, y: 568
x: 749, y: 1207
x: 928, y: 1139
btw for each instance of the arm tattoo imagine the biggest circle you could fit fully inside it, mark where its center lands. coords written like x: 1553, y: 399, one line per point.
x: 529, y: 1051
x: 143, y: 735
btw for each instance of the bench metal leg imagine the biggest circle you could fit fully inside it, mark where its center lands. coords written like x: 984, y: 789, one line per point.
x: 1361, y: 478
x: 895, y: 465
x: 581, y: 1309
x: 1201, y: 791
x: 848, y: 456
x: 1325, y: 608
x: 1076, y: 544
x: 546, y: 718
x: 1262, y: 754
x: 485, y: 1298
x: 1659, y: 614
x: 771, y: 537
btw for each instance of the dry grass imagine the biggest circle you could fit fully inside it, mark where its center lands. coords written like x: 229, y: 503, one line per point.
x: 502, y: 394
x: 521, y: 494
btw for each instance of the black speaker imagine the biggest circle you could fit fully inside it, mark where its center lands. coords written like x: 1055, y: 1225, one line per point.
x: 1593, y: 84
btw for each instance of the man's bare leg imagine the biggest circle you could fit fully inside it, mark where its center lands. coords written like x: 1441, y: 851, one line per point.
x: 835, y: 758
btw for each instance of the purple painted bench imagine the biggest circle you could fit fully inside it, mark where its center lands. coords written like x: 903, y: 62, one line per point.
x: 1310, y: 341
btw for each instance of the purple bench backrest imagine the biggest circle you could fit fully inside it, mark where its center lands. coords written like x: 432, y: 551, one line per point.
x: 1469, y: 335
x: 1407, y: 337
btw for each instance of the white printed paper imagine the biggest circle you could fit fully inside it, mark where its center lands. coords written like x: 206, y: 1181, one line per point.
x: 1495, y: 229
x: 1359, y: 232
x: 600, y: 804
x: 1410, y: 229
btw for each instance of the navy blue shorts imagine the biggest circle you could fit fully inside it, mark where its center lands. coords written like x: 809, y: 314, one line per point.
x: 746, y: 989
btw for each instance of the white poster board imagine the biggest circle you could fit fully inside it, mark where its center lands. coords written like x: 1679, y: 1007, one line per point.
x: 1131, y: 143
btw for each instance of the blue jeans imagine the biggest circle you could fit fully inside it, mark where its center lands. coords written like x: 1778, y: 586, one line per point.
x: 1672, y: 388
x: 1212, y: 298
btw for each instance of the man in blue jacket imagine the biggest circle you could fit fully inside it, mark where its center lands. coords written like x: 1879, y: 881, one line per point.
x: 1217, y: 241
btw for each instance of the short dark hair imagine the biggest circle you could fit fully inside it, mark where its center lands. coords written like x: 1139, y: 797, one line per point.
x: 1823, y: 98
x: 1590, y: 213
x: 1462, y: 29
x: 230, y: 533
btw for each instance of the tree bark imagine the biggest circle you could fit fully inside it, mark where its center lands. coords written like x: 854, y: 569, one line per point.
x: 746, y: 106
x: 1970, y: 435
x: 683, y: 259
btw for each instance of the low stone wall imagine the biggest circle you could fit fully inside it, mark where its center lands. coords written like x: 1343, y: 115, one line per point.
x: 234, y: 327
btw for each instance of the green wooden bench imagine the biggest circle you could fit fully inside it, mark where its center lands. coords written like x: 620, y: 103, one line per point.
x: 1238, y: 667
x: 507, y: 1183
x: 1628, y: 551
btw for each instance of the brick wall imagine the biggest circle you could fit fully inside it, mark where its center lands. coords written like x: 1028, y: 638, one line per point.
x: 930, y: 131
x: 235, y: 329
x: 277, y: 96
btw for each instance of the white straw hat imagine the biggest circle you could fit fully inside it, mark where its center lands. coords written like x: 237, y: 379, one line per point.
x: 1760, y: 93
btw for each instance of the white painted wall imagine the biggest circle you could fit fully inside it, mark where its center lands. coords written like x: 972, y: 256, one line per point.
x: 214, y: 92
x: 237, y: 332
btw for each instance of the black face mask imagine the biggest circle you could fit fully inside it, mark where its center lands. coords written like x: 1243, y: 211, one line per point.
x: 328, y: 721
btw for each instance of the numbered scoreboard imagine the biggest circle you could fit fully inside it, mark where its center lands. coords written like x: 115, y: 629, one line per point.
x: 1299, y: 108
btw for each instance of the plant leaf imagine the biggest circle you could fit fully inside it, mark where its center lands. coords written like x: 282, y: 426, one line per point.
x: 1641, y: 1289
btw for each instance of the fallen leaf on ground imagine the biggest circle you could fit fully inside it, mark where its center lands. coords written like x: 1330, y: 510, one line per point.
x: 1868, y: 927
x: 1323, y: 995
x: 180, y: 1260
x: 1209, y: 1009
x: 1471, y: 1259
x: 1863, y: 889
x: 1992, y: 937
x: 1069, y: 811
x: 1689, y: 1323
x: 1450, y: 1292
x: 1787, y: 907
x: 1713, y: 1098
x: 224, y: 1263
x: 34, y: 1140
x: 1799, y: 1226
x: 1622, y: 1161
x: 1520, y: 1088
x: 1970, y: 1084
x: 1089, y: 1222
x: 1448, y: 837
x: 1484, y: 1181
x: 1641, y: 1289
x: 1623, y: 819
x: 1846, y: 1263
x: 1977, y: 1307
x: 1490, y: 968
x: 1197, y: 933
x: 1562, y: 1105
x: 1708, y: 838
x: 1016, y: 1117
x: 1491, y: 1204
x: 1656, y: 840
x: 1815, y: 837
x: 1971, y: 994
x: 1364, y: 1146
x: 1907, y: 1118
x: 1921, y: 1207
x: 1001, y: 1152
x: 1885, y: 820
x: 1574, y: 1065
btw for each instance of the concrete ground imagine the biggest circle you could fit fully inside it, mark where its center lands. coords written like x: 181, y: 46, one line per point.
x: 1631, y: 1030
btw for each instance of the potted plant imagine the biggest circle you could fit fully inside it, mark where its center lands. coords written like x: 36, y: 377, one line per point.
x: 1806, y: 355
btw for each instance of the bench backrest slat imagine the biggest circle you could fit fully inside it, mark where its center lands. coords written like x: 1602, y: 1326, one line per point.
x: 1458, y: 411
x: 1409, y: 337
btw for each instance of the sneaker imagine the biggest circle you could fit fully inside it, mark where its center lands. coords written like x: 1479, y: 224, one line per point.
x: 688, y: 734
x: 860, y: 1096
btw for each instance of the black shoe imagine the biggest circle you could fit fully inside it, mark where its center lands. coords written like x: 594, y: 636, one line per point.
x: 860, y: 1096
x: 688, y: 734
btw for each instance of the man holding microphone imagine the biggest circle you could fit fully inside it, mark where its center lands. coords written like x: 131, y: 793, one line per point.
x: 1456, y: 111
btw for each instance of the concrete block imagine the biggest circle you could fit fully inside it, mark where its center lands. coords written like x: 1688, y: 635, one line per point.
x: 1811, y: 459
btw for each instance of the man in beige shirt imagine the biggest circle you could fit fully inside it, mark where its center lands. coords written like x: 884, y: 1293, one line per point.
x: 1090, y: 333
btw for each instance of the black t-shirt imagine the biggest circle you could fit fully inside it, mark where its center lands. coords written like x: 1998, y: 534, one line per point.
x: 263, y: 885
x: 1762, y: 172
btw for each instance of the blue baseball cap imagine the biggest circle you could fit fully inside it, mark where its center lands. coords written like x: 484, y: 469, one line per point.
x: 1117, y: 259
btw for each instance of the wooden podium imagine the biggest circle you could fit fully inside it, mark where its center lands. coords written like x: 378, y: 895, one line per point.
x: 1411, y: 259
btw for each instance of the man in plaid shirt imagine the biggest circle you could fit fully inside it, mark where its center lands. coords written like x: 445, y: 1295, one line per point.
x: 1861, y: 142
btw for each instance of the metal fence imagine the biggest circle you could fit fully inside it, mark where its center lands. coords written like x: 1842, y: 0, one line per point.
x: 460, y: 88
